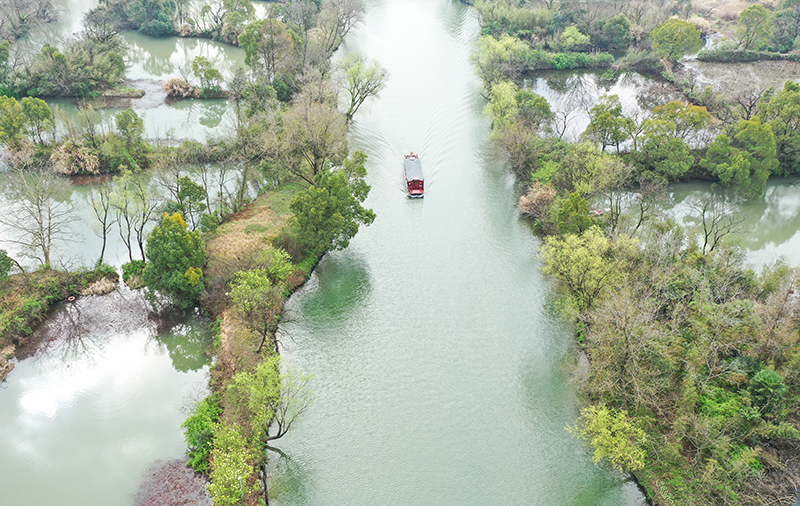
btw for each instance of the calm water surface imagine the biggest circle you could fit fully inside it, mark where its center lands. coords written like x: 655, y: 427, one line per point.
x: 440, y: 376
x: 83, y: 419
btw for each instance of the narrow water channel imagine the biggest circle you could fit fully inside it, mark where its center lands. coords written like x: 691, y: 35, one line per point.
x: 440, y: 375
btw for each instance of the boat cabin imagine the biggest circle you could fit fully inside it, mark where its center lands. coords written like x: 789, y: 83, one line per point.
x: 415, y: 182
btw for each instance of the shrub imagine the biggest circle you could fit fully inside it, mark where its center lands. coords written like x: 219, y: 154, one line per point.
x: 200, y: 430
x: 132, y: 269
x: 767, y: 390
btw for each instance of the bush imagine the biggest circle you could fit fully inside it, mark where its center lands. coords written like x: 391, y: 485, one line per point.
x: 176, y: 257
x: 767, y: 390
x: 200, y: 430
x: 132, y: 269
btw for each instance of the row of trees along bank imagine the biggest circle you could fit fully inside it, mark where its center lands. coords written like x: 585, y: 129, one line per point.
x: 693, y: 377
x: 233, y: 225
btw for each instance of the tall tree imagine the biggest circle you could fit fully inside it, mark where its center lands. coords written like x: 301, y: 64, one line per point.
x: 754, y: 27
x: 41, y: 212
x: 314, y: 135
x: 259, y: 304
x: 607, y: 125
x: 675, y: 38
x: 328, y: 214
x: 39, y: 118
x: 336, y: 20
x: 176, y: 258
x: 101, y: 204
x: 135, y: 203
x: 12, y: 121
x: 363, y: 79
x: 268, y: 46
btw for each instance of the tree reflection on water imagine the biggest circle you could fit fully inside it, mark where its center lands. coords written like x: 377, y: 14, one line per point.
x: 81, y: 329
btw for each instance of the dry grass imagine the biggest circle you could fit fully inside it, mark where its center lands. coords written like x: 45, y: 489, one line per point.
x: 236, y: 351
x: 100, y: 287
x: 135, y: 282
x: 726, y: 10
x: 238, y: 244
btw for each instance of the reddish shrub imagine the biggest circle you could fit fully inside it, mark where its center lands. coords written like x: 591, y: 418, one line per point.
x: 172, y: 483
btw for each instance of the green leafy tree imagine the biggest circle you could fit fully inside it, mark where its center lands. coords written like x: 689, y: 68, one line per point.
x: 572, y: 39
x: 363, y: 79
x: 782, y: 113
x: 502, y: 107
x: 192, y: 199
x: 679, y: 120
x: 509, y: 105
x: 607, y: 125
x: 533, y: 110
x: 499, y: 60
x: 38, y: 118
x: 675, y: 38
x: 786, y: 26
x: 754, y: 27
x: 665, y: 156
x: 12, y: 121
x: 7, y: 263
x: 210, y: 77
x: 271, y: 398
x: 259, y: 303
x: 176, y: 257
x: 131, y: 127
x: 573, y: 215
x: 616, y: 34
x: 587, y: 264
x: 747, y: 160
x: 328, y: 214
x: 613, y: 435
x: 5, y: 52
x: 767, y: 390
x: 232, y: 471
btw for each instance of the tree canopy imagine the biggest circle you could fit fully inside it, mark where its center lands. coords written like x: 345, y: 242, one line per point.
x: 675, y: 37
x: 328, y: 214
x: 176, y: 258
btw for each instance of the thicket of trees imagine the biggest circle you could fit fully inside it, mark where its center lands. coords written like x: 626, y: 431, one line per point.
x: 693, y: 379
x: 164, y: 202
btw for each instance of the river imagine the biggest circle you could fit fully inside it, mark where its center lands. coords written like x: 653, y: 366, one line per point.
x: 440, y: 375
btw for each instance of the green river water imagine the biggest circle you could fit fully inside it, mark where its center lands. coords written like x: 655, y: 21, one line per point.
x: 440, y: 373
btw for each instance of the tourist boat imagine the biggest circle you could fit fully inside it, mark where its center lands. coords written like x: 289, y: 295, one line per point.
x: 415, y: 182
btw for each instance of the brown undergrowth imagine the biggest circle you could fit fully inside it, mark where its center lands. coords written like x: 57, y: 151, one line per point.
x: 244, y: 242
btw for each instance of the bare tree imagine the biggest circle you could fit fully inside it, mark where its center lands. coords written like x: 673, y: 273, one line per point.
x: 748, y: 100
x: 41, y: 211
x: 314, y: 135
x: 718, y: 219
x: 336, y: 20
x: 652, y: 191
x: 134, y: 203
x: 100, y: 203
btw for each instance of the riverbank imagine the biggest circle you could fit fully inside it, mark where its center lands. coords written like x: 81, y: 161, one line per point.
x: 243, y: 244
x: 28, y: 297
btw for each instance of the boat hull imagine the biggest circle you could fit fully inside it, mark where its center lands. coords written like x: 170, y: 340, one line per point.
x: 415, y: 181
